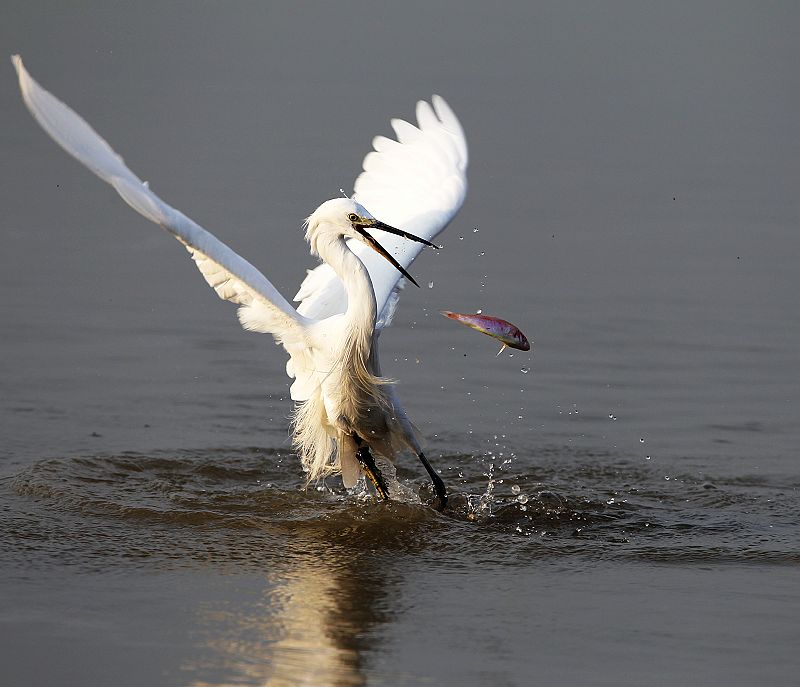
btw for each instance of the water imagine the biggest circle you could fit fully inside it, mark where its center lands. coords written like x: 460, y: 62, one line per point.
x: 625, y: 496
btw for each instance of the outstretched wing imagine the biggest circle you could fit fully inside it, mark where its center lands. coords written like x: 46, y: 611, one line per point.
x: 416, y: 183
x: 232, y: 277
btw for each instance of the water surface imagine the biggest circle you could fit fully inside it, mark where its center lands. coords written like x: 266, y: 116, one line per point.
x: 624, y: 498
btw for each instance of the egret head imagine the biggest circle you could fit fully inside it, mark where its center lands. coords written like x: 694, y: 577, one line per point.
x: 345, y: 218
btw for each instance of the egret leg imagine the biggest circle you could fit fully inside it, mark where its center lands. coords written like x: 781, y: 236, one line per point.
x: 368, y: 463
x: 438, y: 484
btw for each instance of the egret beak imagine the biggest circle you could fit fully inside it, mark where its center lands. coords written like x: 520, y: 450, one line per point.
x: 378, y: 248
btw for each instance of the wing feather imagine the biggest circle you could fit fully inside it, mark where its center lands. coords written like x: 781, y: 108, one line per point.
x: 416, y: 183
x: 231, y: 276
x: 425, y: 115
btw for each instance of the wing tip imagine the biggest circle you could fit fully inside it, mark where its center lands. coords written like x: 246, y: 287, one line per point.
x: 22, y: 73
x: 451, y: 122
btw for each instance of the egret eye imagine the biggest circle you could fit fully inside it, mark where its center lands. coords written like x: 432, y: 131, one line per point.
x: 353, y: 217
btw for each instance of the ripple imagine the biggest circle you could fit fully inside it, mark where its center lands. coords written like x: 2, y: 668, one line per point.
x: 244, y: 505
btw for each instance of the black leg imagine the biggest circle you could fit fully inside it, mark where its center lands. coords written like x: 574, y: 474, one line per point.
x: 368, y: 463
x: 438, y: 485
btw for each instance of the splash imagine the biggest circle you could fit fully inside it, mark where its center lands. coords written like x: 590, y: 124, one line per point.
x: 480, y: 507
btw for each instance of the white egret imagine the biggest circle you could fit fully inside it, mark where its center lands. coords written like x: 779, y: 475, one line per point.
x: 345, y: 409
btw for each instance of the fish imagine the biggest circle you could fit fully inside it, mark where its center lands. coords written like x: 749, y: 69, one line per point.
x: 502, y: 330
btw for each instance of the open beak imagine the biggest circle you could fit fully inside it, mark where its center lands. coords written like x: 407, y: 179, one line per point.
x: 378, y: 248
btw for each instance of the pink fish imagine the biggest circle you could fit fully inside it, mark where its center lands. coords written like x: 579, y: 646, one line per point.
x: 503, y: 331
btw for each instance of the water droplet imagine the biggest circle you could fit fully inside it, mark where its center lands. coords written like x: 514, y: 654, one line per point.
x: 525, y: 370
x: 515, y: 489
x: 479, y: 312
x: 641, y: 440
x: 482, y: 253
x: 647, y: 457
x: 460, y: 238
x: 522, y: 498
x: 611, y: 416
x: 475, y: 230
x: 430, y: 284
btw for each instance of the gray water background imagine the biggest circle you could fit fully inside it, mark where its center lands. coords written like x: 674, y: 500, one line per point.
x: 633, y: 178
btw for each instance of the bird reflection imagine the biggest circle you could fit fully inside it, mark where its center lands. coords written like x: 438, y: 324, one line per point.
x: 310, y: 626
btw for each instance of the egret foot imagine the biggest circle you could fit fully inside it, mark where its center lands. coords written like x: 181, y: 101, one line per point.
x: 370, y: 469
x: 438, y: 485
